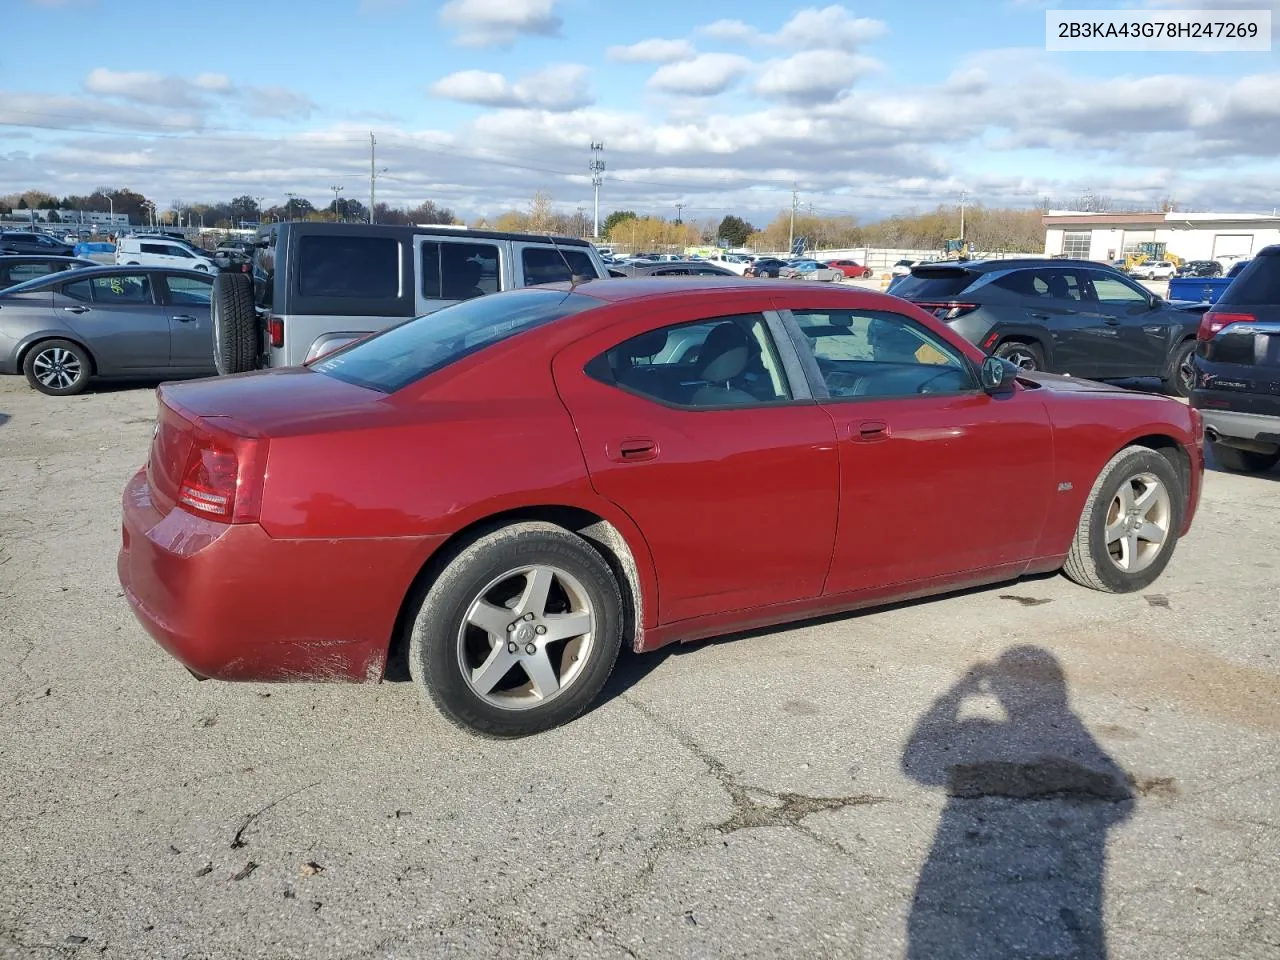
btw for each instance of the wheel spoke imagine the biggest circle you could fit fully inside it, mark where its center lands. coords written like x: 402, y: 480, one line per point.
x: 541, y: 673
x: 1150, y: 532
x: 1116, y: 530
x: 487, y: 676
x: 490, y: 618
x: 537, y: 586
x: 1129, y: 550
x: 1146, y: 500
x: 564, y: 626
x: 1125, y: 496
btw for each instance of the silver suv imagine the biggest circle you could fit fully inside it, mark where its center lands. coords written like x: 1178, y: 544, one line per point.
x: 315, y: 287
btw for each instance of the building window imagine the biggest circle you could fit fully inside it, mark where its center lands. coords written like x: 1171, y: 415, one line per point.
x: 1076, y: 245
x: 1133, y: 241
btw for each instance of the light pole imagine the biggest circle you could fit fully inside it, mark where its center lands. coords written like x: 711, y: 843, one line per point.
x: 336, y: 190
x: 258, y: 201
x: 288, y: 207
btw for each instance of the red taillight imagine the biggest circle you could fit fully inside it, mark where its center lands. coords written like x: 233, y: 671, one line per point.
x: 1213, y: 322
x: 275, y: 326
x: 948, y: 310
x: 223, y: 479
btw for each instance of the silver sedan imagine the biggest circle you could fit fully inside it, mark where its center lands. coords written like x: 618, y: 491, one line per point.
x: 107, y: 322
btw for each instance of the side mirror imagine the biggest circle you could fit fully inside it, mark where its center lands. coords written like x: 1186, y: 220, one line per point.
x: 997, y: 374
x: 1157, y: 302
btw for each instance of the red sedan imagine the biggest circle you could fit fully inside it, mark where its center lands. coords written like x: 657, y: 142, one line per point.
x: 500, y: 494
x: 850, y: 268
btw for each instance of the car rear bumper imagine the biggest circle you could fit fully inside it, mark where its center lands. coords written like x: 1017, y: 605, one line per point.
x: 230, y: 602
x: 1228, y: 425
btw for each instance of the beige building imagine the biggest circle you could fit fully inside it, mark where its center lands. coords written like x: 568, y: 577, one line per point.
x: 1191, y: 236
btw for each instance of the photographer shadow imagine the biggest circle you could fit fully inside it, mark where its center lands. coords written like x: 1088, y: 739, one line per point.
x: 1018, y: 863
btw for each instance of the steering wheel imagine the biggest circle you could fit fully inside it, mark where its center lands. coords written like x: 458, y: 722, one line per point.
x: 932, y: 385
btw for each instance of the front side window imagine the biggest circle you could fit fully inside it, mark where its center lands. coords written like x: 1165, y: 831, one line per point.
x: 401, y: 355
x: 554, y: 264
x: 718, y: 362
x: 875, y: 354
x: 189, y: 290
x: 363, y: 268
x: 459, y: 271
x: 158, y: 249
x: 1114, y: 290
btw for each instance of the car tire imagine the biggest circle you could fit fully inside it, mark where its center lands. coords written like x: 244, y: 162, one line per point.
x: 202, y: 268
x: 1137, y: 496
x: 866, y: 274
x: 1026, y: 355
x: 1242, y: 461
x: 483, y: 680
x: 235, y: 324
x: 1179, y: 379
x: 58, y: 368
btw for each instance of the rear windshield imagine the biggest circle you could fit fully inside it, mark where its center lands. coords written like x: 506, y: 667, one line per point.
x: 933, y: 284
x: 406, y: 353
x: 1257, y: 283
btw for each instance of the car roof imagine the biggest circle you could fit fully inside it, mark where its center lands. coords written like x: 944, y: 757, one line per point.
x: 623, y: 289
x: 352, y: 229
x: 40, y: 258
x: 1015, y: 263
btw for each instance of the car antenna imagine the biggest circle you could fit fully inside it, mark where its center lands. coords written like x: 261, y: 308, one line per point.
x: 574, y: 278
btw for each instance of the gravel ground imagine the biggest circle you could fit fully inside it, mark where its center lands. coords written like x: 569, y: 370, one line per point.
x: 830, y: 790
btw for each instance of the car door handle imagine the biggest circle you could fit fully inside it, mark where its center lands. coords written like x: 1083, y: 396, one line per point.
x: 1111, y: 321
x: 868, y: 431
x: 183, y: 318
x: 76, y: 309
x: 1039, y: 316
x: 633, y: 450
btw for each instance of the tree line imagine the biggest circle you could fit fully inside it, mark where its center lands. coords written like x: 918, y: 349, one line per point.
x: 222, y: 215
x: 988, y: 229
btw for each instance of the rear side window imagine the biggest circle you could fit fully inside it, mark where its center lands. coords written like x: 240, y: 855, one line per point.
x: 355, y: 267
x: 552, y: 265
x: 1258, y: 283
x: 117, y: 289
x: 21, y: 272
x: 459, y: 271
x: 933, y: 284
x: 403, y: 354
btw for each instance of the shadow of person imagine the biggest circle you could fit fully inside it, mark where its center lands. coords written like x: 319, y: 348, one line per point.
x: 1018, y: 862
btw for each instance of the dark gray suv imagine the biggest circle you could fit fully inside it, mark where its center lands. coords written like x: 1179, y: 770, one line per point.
x: 1062, y: 316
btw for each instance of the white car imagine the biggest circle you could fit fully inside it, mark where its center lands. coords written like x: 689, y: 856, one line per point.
x: 731, y: 261
x: 1154, y: 270
x: 154, y: 252
x: 903, y: 267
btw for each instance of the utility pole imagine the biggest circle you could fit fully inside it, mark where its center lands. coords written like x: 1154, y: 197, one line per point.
x: 289, y: 205
x: 963, y: 195
x: 791, y: 232
x: 336, y: 190
x: 373, y: 176
x: 679, y: 211
x: 261, y: 212
x: 596, y: 166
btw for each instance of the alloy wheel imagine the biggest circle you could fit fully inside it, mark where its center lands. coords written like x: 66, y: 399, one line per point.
x: 1022, y: 358
x: 57, y: 368
x: 1138, y: 522
x: 526, y: 637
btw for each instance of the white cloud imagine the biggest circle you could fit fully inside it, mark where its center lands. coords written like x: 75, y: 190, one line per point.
x: 813, y: 28
x: 144, y: 87
x: 731, y: 31
x: 559, y: 87
x: 275, y: 102
x: 831, y: 27
x: 812, y: 76
x: 654, y: 50
x: 704, y: 76
x: 498, y: 23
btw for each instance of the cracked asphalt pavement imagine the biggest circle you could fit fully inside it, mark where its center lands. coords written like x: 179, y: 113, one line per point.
x: 1028, y: 770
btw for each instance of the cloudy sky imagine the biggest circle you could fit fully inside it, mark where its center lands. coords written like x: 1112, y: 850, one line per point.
x: 476, y: 104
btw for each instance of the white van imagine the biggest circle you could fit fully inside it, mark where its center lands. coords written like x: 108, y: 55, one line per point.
x: 154, y: 252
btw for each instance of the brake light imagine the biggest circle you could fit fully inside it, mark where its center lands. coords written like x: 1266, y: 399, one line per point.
x: 1213, y: 322
x: 275, y: 326
x: 947, y: 310
x: 223, y: 479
